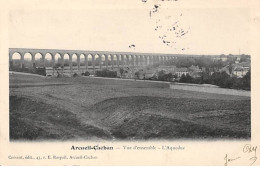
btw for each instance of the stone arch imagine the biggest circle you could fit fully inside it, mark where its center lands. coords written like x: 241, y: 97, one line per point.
x: 11, y: 53
x: 28, y: 59
x: 78, y: 61
x: 74, y: 57
x: 17, y: 55
x: 66, y: 60
x: 109, y: 60
x: 127, y: 60
x: 99, y: 60
x: 141, y: 60
x: 161, y: 59
x: 118, y: 60
x: 137, y: 58
x: 123, y: 63
x: 58, y: 63
x: 48, y: 60
x: 58, y: 60
x: 91, y: 62
x: 39, y: 59
x: 158, y: 59
x: 132, y: 60
x: 113, y: 60
x: 73, y: 63
x: 82, y: 62
x: 85, y: 61
x: 82, y: 59
x: 164, y: 60
x: 145, y: 60
x: 89, y: 59
x: 95, y: 59
x: 102, y: 60
x: 151, y: 61
x: 15, y: 60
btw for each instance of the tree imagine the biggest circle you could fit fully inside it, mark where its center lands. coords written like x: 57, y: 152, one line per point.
x: 205, y: 76
x: 104, y: 73
x: 169, y: 77
x: 230, y: 68
x: 137, y: 74
x: 161, y: 75
x: 183, y: 79
x: 86, y: 73
x: 23, y: 67
x: 121, y: 70
x: 246, y: 80
x: 186, y: 78
x: 11, y: 65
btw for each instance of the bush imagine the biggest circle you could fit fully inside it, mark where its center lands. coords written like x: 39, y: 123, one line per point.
x: 75, y: 75
x: 137, y: 75
x: 153, y: 78
x: 33, y: 70
x: 162, y: 76
x: 86, y: 73
x: 186, y: 79
x: 41, y: 71
x: 106, y: 73
x: 221, y: 79
x: 122, y: 71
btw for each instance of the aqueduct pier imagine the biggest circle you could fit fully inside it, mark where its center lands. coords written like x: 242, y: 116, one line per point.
x: 117, y: 58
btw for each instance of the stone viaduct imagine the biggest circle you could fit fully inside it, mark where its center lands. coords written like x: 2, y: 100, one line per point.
x: 121, y: 58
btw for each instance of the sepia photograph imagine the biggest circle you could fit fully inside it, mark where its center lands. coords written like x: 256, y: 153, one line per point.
x: 130, y: 91
x: 130, y: 71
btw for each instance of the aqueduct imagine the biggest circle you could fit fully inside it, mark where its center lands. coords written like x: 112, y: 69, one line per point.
x: 121, y: 58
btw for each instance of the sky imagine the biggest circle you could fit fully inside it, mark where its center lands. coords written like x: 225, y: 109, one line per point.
x: 115, y: 27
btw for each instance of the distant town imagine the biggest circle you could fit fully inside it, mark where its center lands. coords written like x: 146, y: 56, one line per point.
x: 228, y: 71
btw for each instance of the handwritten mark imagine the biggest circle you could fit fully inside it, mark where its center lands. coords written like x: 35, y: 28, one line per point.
x: 248, y: 150
x: 251, y: 149
x: 227, y: 159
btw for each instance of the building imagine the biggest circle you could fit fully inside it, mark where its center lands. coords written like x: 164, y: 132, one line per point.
x: 240, y: 72
x: 181, y: 71
x: 241, y: 69
x: 167, y: 69
x: 194, y: 71
x: 244, y: 65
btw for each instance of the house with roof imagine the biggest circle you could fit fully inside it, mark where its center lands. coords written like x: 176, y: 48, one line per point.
x: 241, y: 69
x: 240, y: 72
x: 195, y: 71
x: 166, y: 69
x: 181, y: 71
x: 244, y: 65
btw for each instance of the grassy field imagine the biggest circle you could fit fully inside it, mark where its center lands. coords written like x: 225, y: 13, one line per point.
x: 88, y: 108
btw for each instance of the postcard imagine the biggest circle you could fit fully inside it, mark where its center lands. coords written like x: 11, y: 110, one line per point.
x: 133, y: 82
